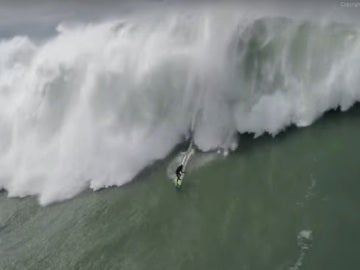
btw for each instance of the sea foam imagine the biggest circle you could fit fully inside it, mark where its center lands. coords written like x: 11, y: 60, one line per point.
x: 97, y: 103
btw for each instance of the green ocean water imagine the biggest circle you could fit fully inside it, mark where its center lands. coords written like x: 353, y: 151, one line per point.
x: 289, y: 202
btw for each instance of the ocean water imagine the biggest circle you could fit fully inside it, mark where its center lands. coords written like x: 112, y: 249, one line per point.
x: 94, y: 116
x: 289, y: 202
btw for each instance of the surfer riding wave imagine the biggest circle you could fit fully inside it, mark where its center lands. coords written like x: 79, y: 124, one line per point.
x: 179, y: 171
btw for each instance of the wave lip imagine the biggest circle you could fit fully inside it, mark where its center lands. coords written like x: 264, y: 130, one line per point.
x: 97, y: 103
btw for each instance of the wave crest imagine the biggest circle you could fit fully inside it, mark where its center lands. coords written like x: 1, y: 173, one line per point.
x: 97, y: 103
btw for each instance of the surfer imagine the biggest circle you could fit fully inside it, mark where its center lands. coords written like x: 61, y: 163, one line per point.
x: 179, y: 171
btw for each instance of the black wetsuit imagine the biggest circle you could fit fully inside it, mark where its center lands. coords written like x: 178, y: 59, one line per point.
x: 179, y: 171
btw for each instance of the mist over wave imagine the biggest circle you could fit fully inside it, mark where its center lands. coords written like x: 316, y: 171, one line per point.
x: 97, y: 103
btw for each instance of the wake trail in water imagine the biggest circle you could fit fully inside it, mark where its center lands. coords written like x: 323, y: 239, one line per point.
x: 97, y: 103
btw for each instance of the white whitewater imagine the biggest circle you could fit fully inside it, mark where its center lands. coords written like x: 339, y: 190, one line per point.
x: 97, y: 103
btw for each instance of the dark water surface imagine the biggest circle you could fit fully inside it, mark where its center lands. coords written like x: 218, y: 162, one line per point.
x: 290, y: 202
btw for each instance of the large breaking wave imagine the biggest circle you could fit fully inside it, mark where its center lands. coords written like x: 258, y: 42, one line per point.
x: 95, y: 104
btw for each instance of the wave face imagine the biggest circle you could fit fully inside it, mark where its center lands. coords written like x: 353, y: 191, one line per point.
x: 97, y: 103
